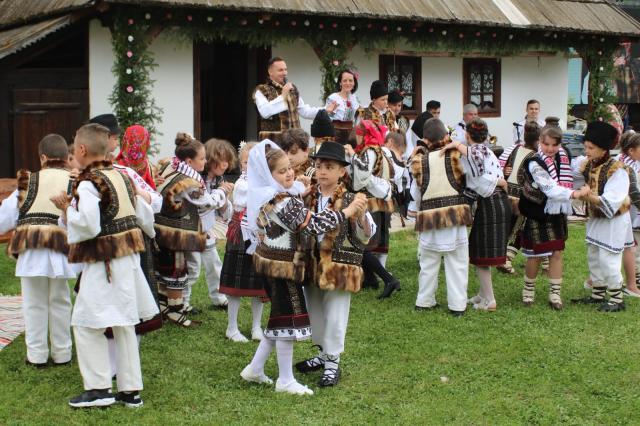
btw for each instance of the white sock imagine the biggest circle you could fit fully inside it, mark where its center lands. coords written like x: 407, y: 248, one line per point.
x: 256, y: 312
x: 232, y: 312
x: 331, y: 361
x: 111, y: 344
x: 486, y: 287
x: 284, y: 350
x: 261, y: 356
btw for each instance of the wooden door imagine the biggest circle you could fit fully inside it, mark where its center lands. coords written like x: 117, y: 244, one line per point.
x: 38, y: 112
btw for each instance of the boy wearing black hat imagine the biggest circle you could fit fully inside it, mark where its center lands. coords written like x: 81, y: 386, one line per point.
x: 378, y: 110
x: 322, y: 130
x: 609, y: 229
x: 336, y: 257
x: 395, y: 106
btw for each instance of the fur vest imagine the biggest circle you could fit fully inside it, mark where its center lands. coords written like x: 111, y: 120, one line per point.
x: 597, y: 177
x: 37, y: 226
x: 119, y: 235
x: 272, y: 127
x: 178, y: 225
x: 371, y: 113
x: 383, y: 168
x: 442, y: 183
x: 336, y: 262
x: 281, y: 254
x: 515, y: 161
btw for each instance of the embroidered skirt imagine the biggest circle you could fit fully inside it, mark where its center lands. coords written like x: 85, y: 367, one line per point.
x: 171, y: 269
x: 288, y: 319
x: 515, y: 233
x: 238, y: 277
x: 542, y: 237
x: 490, y: 230
x: 379, y: 242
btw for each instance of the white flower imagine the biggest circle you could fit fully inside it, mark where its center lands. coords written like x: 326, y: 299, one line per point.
x: 130, y: 38
x: 335, y: 42
x: 399, y: 29
x: 353, y: 28
x: 444, y: 32
x: 600, y: 100
x: 129, y: 109
x: 128, y: 71
x: 260, y: 21
x: 510, y: 36
x: 147, y: 16
x: 306, y: 23
x: 209, y: 19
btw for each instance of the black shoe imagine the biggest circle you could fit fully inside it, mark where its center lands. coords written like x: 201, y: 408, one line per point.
x: 61, y: 364
x: 131, y: 399
x: 587, y: 301
x: 218, y: 307
x: 194, y: 311
x: 35, y: 364
x: 611, y: 307
x: 311, y: 364
x: 93, y: 398
x: 426, y: 308
x: 456, y: 314
x: 330, y: 377
x: 389, y: 288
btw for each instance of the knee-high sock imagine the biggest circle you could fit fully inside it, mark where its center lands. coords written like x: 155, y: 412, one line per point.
x: 512, y: 252
x: 615, y: 295
x: 554, y: 290
x: 371, y: 262
x: 529, y: 289
x: 261, y: 356
x: 256, y: 312
x: 232, y: 312
x: 284, y: 350
x: 486, y: 286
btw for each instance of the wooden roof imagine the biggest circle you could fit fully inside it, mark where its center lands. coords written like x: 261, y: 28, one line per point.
x: 17, y: 12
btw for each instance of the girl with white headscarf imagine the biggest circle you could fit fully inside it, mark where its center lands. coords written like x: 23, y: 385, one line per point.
x: 278, y: 217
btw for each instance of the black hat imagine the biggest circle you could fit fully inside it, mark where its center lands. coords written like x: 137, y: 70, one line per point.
x: 601, y: 134
x: 109, y: 121
x: 378, y: 89
x: 321, y: 126
x: 552, y: 121
x: 331, y: 151
x: 418, y: 124
x: 395, y: 97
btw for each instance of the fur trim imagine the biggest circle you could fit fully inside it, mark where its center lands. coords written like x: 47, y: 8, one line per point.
x: 101, y: 185
x: 444, y: 217
x: 55, y: 163
x: 339, y: 276
x: 515, y: 209
x: 280, y: 269
x: 416, y: 168
x: 27, y: 237
x: 108, y: 247
x: 379, y: 205
x: 457, y: 169
x: 187, y: 184
x: 179, y: 239
x: 22, y: 178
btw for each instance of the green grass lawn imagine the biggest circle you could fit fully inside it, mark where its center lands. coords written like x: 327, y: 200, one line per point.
x: 516, y: 365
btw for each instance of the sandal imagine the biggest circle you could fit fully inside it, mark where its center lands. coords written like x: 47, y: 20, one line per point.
x: 330, y: 377
x: 182, y: 320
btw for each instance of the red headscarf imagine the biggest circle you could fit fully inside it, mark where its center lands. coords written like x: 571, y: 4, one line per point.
x: 133, y: 154
x: 372, y: 132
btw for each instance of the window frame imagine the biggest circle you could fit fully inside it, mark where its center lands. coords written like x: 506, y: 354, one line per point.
x: 385, y: 60
x: 467, y: 63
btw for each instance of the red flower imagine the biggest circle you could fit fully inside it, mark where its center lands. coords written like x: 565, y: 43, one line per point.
x: 348, y: 104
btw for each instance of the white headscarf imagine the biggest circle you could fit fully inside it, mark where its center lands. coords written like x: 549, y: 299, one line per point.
x: 262, y: 186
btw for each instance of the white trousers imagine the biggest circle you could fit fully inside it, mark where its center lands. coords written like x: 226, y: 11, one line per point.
x: 46, y: 307
x: 329, y: 316
x: 456, y: 269
x: 93, y: 358
x: 212, y: 269
x: 604, y: 267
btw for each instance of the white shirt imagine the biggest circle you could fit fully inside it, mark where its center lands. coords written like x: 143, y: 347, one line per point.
x: 268, y: 109
x: 360, y: 229
x: 220, y: 208
x: 342, y: 112
x: 33, y: 262
x: 361, y: 174
x: 483, y: 184
x: 459, y: 133
x: 156, y: 198
x: 558, y: 197
x: 519, y: 130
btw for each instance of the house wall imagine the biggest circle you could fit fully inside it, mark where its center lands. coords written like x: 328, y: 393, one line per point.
x: 173, y: 87
x: 523, y: 78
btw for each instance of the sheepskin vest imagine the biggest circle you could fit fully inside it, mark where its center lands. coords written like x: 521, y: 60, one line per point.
x: 119, y: 232
x: 280, y: 253
x: 442, y: 182
x: 37, y: 226
x: 597, y: 177
x: 337, y: 259
x: 371, y: 113
x: 272, y: 127
x: 383, y: 168
x: 515, y: 161
x: 178, y: 225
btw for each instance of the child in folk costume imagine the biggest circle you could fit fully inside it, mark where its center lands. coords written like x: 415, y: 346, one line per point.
x: 443, y: 214
x: 179, y: 227
x: 221, y: 156
x: 609, y: 229
x: 41, y: 248
x: 545, y: 202
x: 104, y: 228
x: 336, y: 271
x: 511, y: 162
x: 394, y: 147
x: 491, y: 221
x: 378, y: 110
x: 274, y: 206
x: 238, y: 278
x: 371, y: 172
x: 295, y: 142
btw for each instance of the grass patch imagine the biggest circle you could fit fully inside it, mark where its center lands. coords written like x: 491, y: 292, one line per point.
x: 516, y: 365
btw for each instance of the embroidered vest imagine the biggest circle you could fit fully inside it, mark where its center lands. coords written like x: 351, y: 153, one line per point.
x: 383, y: 168
x: 336, y: 265
x: 596, y: 178
x: 371, y: 113
x: 272, y: 127
x: 119, y: 232
x: 280, y: 253
x: 515, y: 161
x: 442, y: 183
x: 532, y: 199
x: 37, y: 226
x: 178, y: 225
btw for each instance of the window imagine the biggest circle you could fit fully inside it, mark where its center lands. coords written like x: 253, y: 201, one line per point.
x: 404, y: 73
x: 481, y: 79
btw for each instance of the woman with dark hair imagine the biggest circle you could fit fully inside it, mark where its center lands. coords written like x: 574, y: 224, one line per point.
x: 347, y: 105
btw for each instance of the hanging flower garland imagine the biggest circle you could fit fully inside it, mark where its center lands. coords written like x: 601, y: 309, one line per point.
x: 601, y: 93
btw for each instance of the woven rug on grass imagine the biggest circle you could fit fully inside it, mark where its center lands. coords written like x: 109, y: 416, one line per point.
x: 11, y: 321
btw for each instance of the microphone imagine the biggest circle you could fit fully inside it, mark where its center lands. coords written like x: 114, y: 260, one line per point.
x: 516, y: 124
